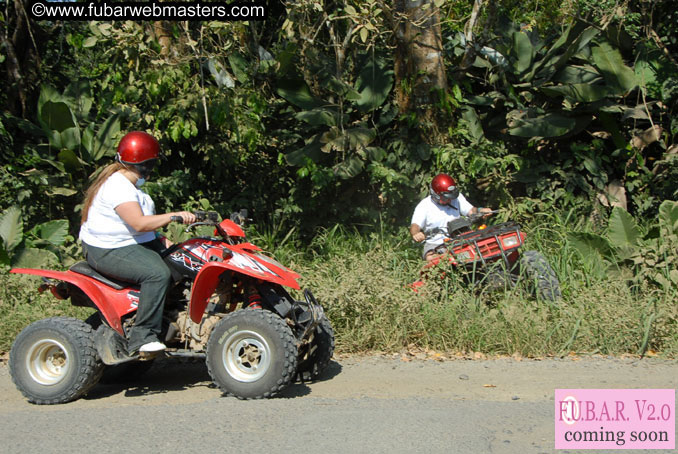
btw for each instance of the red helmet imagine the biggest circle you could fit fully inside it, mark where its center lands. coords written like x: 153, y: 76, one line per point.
x: 136, y: 147
x: 140, y: 150
x: 444, y: 189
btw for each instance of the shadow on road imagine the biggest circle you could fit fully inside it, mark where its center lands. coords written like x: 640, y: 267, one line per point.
x: 300, y: 388
x: 166, y: 376
x: 163, y: 377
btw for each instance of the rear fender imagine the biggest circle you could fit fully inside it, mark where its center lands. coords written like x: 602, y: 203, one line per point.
x: 111, y: 303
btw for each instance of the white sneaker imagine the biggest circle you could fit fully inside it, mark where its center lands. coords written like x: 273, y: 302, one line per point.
x: 152, y: 347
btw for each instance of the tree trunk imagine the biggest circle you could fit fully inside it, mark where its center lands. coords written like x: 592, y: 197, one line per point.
x: 163, y: 35
x: 21, y: 59
x: 419, y: 67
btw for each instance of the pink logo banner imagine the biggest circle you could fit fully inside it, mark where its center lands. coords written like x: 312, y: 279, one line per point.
x: 615, y: 419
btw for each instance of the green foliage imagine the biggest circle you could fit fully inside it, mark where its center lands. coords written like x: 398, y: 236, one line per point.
x: 295, y: 118
x: 283, y: 115
x: 21, y: 304
x: 540, y: 98
x: 652, y: 256
x: 548, y: 89
x: 361, y: 280
x: 77, y: 148
x: 36, y: 248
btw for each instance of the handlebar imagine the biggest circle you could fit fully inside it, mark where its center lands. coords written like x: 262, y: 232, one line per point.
x: 476, y: 217
x: 473, y: 219
x: 209, y: 217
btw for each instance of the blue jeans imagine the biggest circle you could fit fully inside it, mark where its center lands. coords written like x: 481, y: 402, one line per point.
x: 138, y: 264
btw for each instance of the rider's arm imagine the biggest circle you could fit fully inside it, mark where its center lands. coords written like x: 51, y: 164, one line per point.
x: 131, y: 213
x: 417, y: 234
x: 419, y: 219
x: 475, y: 210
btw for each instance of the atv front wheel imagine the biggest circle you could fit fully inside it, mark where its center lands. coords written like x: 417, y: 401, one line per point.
x: 54, y: 361
x: 541, y: 278
x: 318, y: 354
x: 251, y: 354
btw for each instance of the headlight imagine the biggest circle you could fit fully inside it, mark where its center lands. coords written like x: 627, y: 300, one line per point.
x: 510, y: 241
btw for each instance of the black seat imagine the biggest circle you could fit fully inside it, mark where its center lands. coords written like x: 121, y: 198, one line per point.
x: 84, y: 268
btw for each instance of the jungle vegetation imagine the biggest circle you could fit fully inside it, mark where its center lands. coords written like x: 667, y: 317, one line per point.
x: 328, y: 119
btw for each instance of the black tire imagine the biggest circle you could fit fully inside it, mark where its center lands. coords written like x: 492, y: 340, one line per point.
x: 539, y: 276
x: 315, y: 359
x: 94, y: 320
x: 251, y: 354
x: 54, y: 361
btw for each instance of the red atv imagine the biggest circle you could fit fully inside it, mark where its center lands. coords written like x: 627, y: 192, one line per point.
x: 228, y: 303
x: 491, y: 257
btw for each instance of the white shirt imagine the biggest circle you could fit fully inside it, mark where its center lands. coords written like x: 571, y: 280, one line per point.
x: 104, y: 228
x: 430, y: 216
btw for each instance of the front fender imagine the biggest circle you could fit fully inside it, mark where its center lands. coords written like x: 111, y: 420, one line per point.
x: 97, y: 292
x: 240, y: 262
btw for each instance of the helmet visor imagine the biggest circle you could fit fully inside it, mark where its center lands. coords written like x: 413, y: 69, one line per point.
x: 449, y: 195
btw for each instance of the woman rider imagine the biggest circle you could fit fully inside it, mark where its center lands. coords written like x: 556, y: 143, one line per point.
x: 118, y: 234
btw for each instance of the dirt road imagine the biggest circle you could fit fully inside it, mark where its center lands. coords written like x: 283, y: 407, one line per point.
x: 362, y: 404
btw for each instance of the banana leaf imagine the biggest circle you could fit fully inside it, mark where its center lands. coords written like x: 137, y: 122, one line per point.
x: 550, y: 125
x: 11, y: 227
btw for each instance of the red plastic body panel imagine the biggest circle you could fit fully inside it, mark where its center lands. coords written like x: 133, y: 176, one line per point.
x: 113, y: 304
x: 231, y: 228
x: 209, y: 258
x: 489, y: 249
x: 244, y: 260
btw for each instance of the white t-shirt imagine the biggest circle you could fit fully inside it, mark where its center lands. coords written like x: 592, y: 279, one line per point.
x: 430, y: 216
x: 104, y: 228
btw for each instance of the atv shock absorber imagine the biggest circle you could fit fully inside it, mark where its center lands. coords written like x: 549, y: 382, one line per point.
x: 253, y: 299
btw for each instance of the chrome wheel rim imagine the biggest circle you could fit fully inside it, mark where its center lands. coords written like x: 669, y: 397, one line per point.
x: 48, y: 362
x: 246, y: 356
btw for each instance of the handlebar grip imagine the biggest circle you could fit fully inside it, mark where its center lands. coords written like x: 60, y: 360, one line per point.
x: 200, y: 216
x: 212, y: 216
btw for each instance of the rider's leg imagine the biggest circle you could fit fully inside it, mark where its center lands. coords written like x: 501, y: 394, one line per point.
x: 430, y: 255
x: 139, y: 264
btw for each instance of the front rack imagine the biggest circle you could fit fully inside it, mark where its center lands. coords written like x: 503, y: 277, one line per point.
x: 472, y: 238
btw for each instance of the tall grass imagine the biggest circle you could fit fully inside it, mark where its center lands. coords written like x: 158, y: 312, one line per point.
x: 362, y: 281
x: 21, y: 305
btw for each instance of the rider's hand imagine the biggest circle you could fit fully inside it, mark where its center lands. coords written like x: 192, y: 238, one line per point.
x: 166, y: 242
x: 186, y: 216
x: 419, y: 237
x: 485, y: 211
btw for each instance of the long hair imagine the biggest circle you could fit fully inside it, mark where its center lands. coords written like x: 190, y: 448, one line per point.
x: 95, y: 186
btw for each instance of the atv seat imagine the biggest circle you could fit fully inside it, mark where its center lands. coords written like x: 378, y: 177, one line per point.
x: 84, y: 268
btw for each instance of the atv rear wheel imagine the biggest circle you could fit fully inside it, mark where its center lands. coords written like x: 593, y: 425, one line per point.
x: 318, y: 354
x: 54, y: 361
x: 251, y: 354
x: 540, y: 277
